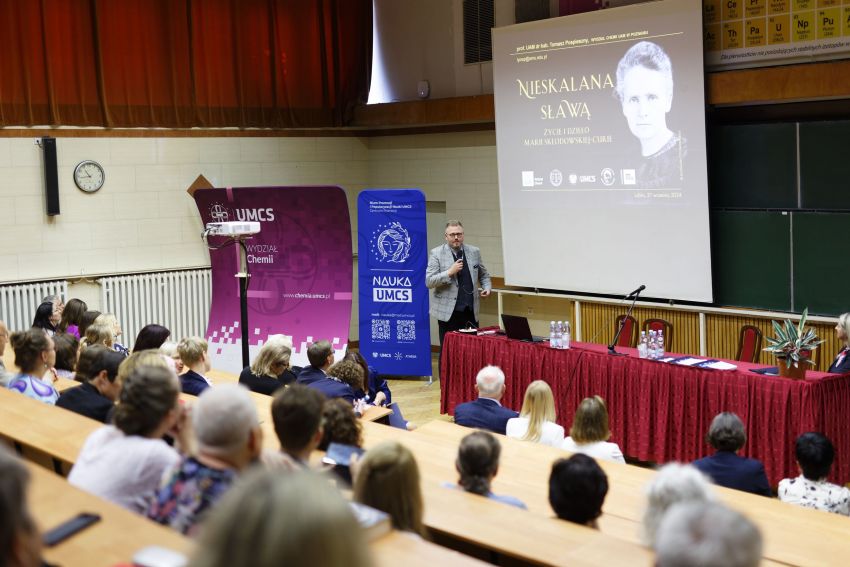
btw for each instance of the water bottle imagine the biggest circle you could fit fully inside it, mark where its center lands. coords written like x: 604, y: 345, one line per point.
x: 660, y: 347
x: 651, y: 346
x: 552, y: 342
x: 643, y: 346
x: 559, y: 335
x: 565, y: 335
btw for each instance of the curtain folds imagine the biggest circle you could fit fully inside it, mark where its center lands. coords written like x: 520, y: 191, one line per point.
x: 183, y: 63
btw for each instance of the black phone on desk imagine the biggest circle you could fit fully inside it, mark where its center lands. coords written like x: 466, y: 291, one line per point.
x: 69, y: 527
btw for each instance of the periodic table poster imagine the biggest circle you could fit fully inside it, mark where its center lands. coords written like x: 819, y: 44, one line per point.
x: 749, y: 33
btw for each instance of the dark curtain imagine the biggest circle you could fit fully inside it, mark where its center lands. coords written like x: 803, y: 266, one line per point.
x: 183, y: 63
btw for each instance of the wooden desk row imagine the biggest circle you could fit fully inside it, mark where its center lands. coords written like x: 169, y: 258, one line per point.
x: 792, y: 535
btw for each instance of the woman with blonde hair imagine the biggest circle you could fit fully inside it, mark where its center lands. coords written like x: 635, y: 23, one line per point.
x: 536, y: 421
x: 270, y: 369
x: 589, y: 433
x: 111, y: 321
x: 841, y: 364
x: 99, y: 334
x: 387, y: 478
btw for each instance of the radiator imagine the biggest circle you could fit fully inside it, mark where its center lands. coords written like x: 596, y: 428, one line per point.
x: 18, y: 303
x: 179, y: 301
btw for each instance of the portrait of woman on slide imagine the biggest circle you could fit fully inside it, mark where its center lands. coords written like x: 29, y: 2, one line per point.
x: 645, y: 90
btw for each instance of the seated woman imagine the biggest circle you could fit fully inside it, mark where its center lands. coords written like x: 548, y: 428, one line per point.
x: 35, y: 355
x: 577, y: 490
x: 477, y: 464
x: 726, y: 434
x: 151, y: 337
x: 536, y: 421
x: 340, y: 425
x: 841, y: 364
x: 169, y: 349
x: 673, y: 484
x: 815, y: 454
x: 46, y: 318
x: 269, y: 519
x: 99, y: 334
x: 95, y: 398
x: 270, y: 369
x: 378, y: 391
x: 387, y: 478
x: 88, y: 318
x: 343, y: 379
x: 20, y: 540
x: 72, y: 316
x: 111, y: 320
x: 124, y: 462
x: 589, y: 433
x: 67, y: 350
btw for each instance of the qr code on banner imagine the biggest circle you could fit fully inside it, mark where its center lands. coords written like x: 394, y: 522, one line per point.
x: 405, y: 330
x: 381, y: 329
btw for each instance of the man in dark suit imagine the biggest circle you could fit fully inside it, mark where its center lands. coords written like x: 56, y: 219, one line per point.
x: 193, y: 353
x: 486, y: 412
x: 725, y: 467
x: 321, y: 356
x: 95, y: 397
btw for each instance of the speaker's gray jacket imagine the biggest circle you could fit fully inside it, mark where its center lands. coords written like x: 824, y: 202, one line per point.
x: 444, y: 288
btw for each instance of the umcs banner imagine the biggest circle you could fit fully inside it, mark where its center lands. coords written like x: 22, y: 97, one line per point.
x: 392, y: 256
x: 300, y: 265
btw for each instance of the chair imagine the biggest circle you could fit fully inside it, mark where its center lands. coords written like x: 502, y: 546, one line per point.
x: 629, y: 336
x: 749, y: 344
x: 660, y: 325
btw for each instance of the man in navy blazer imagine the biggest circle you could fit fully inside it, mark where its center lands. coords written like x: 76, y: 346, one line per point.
x: 486, y: 412
x: 193, y: 354
x: 321, y: 356
x: 725, y: 467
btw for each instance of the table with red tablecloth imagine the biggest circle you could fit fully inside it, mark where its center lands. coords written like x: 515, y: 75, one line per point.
x: 660, y: 412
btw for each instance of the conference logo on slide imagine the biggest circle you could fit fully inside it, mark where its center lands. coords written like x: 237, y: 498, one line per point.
x: 556, y: 177
x: 608, y: 176
x: 573, y: 178
x: 392, y: 243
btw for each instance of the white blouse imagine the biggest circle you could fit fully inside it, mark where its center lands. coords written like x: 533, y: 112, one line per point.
x: 552, y: 434
x: 598, y: 450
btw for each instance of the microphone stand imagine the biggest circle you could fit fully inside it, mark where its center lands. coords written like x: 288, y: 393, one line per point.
x: 620, y: 329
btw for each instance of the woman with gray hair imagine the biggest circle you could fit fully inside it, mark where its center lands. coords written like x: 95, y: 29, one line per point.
x: 725, y: 467
x: 229, y: 439
x: 841, y: 364
x: 673, y: 484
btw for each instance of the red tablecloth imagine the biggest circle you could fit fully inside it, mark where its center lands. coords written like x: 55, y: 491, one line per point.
x: 661, y: 412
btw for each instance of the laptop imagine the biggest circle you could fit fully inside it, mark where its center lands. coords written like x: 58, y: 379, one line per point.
x: 516, y: 327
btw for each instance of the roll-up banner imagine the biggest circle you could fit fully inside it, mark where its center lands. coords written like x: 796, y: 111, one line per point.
x: 392, y: 257
x: 300, y: 265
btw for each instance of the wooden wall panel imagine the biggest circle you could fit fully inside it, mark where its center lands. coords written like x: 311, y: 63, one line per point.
x: 597, y: 324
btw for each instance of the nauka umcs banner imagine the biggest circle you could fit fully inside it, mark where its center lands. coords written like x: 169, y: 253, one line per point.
x: 392, y: 256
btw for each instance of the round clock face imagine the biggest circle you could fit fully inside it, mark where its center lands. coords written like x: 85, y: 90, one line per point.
x: 89, y: 176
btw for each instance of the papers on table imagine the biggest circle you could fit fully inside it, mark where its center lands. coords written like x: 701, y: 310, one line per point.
x: 700, y: 363
x: 689, y: 361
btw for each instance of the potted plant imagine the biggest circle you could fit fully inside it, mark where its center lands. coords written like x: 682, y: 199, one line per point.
x: 793, y: 347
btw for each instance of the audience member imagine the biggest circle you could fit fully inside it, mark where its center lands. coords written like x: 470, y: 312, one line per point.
x: 707, y: 534
x: 725, y: 468
x: 72, y: 316
x: 486, y: 412
x: 321, y: 356
x: 88, y: 318
x: 267, y: 521
x: 387, y: 479
x: 151, y: 337
x: 99, y: 334
x: 297, y: 417
x: 193, y: 353
x: 141, y: 359
x: 477, y: 464
x: 673, y: 484
x: 815, y: 453
x: 577, y: 490
x: 378, y: 391
x: 67, y: 350
x: 229, y: 439
x: 589, y: 433
x: 841, y: 364
x: 338, y: 381
x: 111, y: 321
x: 124, y: 462
x: 5, y: 375
x: 95, y: 397
x: 20, y: 540
x: 57, y: 303
x: 169, y: 349
x: 35, y: 356
x: 536, y: 421
x: 341, y: 425
x: 45, y: 318
x: 270, y: 369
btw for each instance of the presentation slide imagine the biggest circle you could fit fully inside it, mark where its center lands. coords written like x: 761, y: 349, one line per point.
x: 600, y: 127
